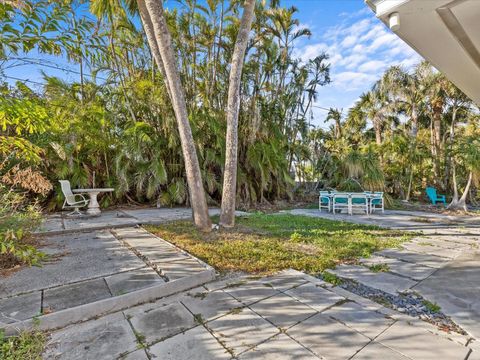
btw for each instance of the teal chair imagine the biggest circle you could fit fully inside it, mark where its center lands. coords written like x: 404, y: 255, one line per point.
x: 434, y: 197
x: 377, y: 202
x: 324, y: 201
x: 341, y: 201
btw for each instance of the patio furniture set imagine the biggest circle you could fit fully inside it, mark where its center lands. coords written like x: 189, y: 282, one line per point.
x: 75, y: 199
x: 348, y: 202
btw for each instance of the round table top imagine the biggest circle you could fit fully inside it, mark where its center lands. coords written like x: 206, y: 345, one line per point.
x: 93, y: 190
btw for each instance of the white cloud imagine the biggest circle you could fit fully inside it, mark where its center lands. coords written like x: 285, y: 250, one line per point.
x: 383, y: 40
x: 353, y: 80
x: 361, y: 48
x: 372, y: 66
x: 349, y: 41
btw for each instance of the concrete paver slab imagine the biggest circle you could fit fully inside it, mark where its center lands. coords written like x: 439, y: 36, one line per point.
x: 315, y: 296
x: 279, y: 347
x: 328, y: 338
x: 284, y: 280
x: 177, y: 269
x: 20, y: 307
x: 377, y: 351
x: 439, y: 242
x: 456, y: 288
x: 424, y: 248
x: 196, y: 343
x: 414, y: 257
x: 282, y: 310
x: 369, y: 323
x: 106, y: 338
x: 414, y: 271
x: 251, y: 291
x: 384, y: 281
x: 419, y: 344
x: 241, y: 330
x: 68, y: 296
x: 162, y: 322
x: 210, y: 305
x: 107, y: 220
x: 132, y: 280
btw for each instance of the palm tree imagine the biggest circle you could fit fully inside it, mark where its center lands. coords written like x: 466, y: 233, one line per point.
x: 336, y: 116
x: 470, y: 152
x: 227, y: 216
x: 374, y: 105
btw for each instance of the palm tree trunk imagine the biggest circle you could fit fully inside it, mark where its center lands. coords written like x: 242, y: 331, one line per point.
x: 454, y: 203
x: 462, y: 203
x: 152, y: 43
x: 194, y: 177
x: 227, y: 216
x: 410, y: 181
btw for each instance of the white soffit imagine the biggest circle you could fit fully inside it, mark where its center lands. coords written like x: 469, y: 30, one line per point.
x: 445, y: 32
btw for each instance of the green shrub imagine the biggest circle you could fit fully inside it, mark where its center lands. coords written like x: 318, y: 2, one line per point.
x: 16, y: 223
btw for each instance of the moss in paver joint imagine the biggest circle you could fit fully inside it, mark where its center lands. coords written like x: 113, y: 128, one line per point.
x: 198, y: 295
x: 235, y: 284
x: 141, y: 344
x: 425, y: 243
x: 379, y: 268
x: 199, y: 318
x: 236, y: 310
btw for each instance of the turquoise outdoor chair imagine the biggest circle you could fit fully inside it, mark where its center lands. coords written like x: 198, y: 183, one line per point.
x: 434, y: 197
x: 377, y: 202
x: 324, y: 201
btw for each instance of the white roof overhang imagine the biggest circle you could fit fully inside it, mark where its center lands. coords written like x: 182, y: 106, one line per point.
x: 444, y: 32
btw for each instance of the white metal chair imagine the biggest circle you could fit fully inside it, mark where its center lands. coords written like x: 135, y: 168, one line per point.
x: 358, y: 201
x: 341, y: 201
x: 70, y: 198
x: 324, y: 201
x: 376, y: 202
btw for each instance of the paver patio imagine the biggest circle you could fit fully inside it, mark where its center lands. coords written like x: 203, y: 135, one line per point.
x: 275, y: 326
x: 289, y: 315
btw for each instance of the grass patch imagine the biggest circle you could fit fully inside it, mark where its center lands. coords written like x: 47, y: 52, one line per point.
x: 265, y: 243
x: 433, y: 307
x: 28, y: 345
x: 379, y: 268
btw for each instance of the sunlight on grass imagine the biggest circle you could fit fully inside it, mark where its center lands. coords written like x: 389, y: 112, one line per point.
x: 265, y: 243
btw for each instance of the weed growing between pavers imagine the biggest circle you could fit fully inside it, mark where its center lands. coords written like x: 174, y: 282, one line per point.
x: 433, y: 307
x: 331, y: 278
x: 28, y: 345
x: 266, y: 243
x: 379, y: 268
x: 141, y: 339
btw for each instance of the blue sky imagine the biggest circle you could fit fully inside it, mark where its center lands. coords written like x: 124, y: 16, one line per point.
x: 359, y: 45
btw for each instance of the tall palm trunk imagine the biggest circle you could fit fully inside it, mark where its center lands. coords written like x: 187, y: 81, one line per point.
x: 152, y: 43
x: 194, y: 177
x: 227, y: 216
x: 437, y: 139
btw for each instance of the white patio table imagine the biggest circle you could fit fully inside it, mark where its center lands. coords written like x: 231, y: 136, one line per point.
x: 93, y: 207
